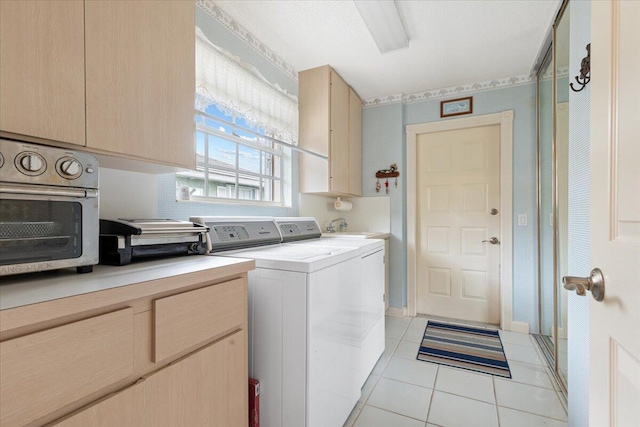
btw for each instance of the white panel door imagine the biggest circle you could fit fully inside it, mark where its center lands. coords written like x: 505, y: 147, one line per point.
x: 614, y: 386
x: 458, y: 184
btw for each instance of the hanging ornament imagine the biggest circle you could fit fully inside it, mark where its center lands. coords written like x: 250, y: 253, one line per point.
x: 385, y: 174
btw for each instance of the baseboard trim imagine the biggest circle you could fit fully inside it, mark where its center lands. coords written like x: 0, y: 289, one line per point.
x: 522, y: 327
x: 396, y: 311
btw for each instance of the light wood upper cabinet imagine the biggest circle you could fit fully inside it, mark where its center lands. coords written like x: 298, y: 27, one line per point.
x: 330, y: 125
x: 115, y: 76
x: 140, y: 73
x: 314, y: 106
x: 42, y: 69
x: 339, y: 136
x: 355, y: 143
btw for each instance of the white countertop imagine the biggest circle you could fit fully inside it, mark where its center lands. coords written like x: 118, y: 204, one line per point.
x: 358, y: 234
x: 32, y: 288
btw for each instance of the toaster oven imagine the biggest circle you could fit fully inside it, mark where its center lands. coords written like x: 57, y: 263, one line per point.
x: 48, y: 209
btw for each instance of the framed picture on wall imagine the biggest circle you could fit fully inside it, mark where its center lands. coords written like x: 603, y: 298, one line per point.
x: 456, y: 107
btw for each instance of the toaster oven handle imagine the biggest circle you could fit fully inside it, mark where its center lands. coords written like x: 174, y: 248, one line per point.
x: 42, y: 190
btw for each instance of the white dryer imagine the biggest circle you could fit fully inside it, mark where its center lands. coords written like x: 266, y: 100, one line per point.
x: 316, y: 315
x: 371, y: 277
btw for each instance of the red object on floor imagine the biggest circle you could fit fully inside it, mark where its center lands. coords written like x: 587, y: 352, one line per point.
x: 254, y: 403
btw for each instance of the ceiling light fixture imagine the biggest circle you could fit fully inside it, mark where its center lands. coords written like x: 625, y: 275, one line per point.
x: 383, y: 21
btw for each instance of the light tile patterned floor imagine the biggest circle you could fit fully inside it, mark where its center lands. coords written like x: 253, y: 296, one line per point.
x: 404, y: 392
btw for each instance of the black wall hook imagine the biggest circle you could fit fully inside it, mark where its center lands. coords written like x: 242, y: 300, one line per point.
x: 585, y: 68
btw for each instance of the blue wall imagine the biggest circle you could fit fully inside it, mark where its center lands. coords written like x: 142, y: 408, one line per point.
x: 168, y: 207
x: 382, y: 145
x: 384, y: 142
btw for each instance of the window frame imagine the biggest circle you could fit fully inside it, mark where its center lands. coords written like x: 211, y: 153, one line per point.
x: 204, y: 168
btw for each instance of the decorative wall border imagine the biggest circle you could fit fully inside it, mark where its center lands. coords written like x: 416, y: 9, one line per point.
x: 452, y: 90
x: 239, y: 31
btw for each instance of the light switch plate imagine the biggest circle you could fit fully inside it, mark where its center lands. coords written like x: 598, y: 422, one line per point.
x: 522, y: 220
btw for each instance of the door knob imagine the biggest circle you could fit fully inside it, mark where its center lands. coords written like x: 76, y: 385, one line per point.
x: 593, y: 283
x: 493, y: 241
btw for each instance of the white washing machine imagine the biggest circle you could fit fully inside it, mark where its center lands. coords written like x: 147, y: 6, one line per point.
x: 316, y: 315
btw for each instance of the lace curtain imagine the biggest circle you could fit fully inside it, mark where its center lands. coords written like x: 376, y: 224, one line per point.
x: 239, y: 89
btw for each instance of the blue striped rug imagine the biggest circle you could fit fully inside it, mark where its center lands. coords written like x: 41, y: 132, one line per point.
x: 464, y: 347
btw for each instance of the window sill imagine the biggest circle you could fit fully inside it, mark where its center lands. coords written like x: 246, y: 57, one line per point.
x: 233, y: 202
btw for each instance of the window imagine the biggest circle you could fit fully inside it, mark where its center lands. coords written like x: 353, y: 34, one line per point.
x: 244, y: 130
x: 229, y: 156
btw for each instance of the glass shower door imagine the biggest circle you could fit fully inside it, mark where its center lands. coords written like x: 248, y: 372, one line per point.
x: 545, y: 205
x: 553, y: 166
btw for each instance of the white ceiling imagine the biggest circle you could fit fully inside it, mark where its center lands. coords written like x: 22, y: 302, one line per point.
x: 451, y: 42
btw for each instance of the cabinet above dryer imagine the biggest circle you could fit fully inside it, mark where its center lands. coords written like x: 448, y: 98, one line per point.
x: 330, y: 125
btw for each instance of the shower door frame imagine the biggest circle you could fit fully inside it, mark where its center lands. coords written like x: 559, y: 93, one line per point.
x: 549, y: 51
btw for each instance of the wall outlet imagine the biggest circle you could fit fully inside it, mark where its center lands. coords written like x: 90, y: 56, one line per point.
x: 522, y: 220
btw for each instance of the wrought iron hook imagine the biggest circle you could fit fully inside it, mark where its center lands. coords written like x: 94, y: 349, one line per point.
x: 585, y: 68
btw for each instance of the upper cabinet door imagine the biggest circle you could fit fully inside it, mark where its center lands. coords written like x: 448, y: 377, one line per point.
x: 314, y: 105
x: 339, y: 146
x: 140, y: 66
x: 42, y: 69
x: 355, y: 143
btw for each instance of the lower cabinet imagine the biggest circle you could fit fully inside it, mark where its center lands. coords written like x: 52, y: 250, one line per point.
x: 206, y: 388
x: 125, y: 408
x: 45, y: 371
x: 165, y: 353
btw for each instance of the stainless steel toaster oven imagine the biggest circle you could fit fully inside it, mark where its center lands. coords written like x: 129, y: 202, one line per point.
x: 48, y: 209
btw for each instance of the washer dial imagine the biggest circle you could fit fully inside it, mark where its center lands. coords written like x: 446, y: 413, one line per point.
x: 69, y: 168
x: 30, y: 163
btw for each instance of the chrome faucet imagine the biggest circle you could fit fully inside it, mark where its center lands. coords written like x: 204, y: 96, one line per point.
x: 342, y: 225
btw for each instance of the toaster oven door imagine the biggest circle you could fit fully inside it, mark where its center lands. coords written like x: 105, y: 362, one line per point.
x: 47, y: 230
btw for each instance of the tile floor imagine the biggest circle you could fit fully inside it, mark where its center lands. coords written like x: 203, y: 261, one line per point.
x: 405, y: 392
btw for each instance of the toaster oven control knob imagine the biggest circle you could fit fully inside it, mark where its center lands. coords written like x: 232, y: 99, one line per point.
x: 69, y: 168
x: 31, y: 163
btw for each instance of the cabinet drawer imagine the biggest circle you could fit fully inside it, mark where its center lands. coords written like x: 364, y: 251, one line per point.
x: 44, y: 371
x: 185, y: 320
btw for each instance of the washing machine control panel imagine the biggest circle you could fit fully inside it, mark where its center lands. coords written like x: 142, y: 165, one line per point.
x: 293, y: 229
x: 239, y: 233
